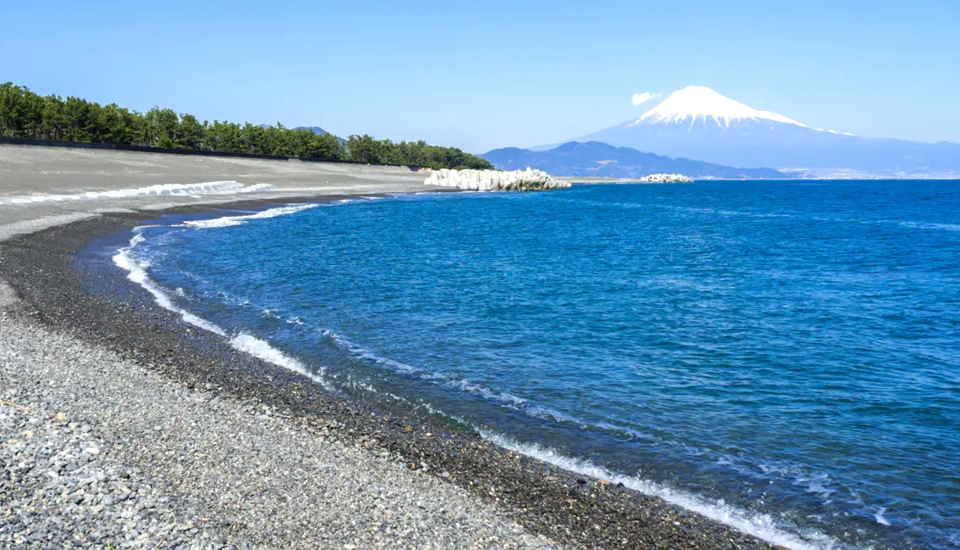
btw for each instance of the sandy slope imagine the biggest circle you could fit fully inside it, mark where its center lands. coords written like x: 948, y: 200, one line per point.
x: 26, y: 171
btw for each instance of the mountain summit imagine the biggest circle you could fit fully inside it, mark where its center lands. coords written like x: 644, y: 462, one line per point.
x: 699, y: 103
x: 699, y: 123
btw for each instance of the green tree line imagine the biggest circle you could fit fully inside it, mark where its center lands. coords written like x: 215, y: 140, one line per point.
x: 24, y: 114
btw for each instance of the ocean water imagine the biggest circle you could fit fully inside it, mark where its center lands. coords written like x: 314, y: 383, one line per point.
x: 781, y: 356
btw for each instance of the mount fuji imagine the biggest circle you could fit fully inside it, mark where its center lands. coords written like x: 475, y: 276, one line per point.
x: 699, y: 123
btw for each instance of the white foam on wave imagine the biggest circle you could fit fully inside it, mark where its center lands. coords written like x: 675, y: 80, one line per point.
x: 195, y: 190
x: 261, y: 349
x: 817, y: 484
x: 230, y: 221
x: 504, y: 398
x: 137, y: 273
x: 759, y: 525
x: 363, y: 353
x: 925, y: 225
x: 553, y: 415
x: 403, y: 368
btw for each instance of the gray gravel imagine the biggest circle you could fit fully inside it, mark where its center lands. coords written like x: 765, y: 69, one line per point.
x: 216, y: 463
x: 206, y: 469
x: 63, y: 487
x: 201, y: 469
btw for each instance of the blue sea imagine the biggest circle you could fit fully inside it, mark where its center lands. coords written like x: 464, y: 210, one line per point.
x: 781, y: 356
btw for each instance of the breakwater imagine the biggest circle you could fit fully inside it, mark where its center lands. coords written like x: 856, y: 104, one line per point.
x: 666, y: 178
x: 495, y: 180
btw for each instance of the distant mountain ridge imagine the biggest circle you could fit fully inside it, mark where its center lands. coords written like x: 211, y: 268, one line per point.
x: 321, y: 131
x: 697, y: 122
x: 595, y: 159
x: 314, y: 129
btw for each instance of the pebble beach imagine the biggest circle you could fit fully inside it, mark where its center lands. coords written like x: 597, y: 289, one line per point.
x: 123, y: 427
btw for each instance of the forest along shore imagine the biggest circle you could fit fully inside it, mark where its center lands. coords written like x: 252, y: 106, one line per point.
x: 128, y: 428
x: 27, y: 115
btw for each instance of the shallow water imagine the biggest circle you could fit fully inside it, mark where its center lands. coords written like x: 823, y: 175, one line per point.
x: 783, y: 356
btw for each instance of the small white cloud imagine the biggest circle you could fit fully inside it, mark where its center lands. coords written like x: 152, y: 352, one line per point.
x: 639, y: 99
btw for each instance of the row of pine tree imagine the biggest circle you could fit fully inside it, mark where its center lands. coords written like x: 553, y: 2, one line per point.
x: 25, y: 114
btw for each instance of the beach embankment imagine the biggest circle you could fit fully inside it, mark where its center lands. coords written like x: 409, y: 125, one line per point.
x: 120, y: 425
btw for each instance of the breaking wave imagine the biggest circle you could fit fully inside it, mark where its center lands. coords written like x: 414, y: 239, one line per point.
x: 230, y: 221
x: 167, y: 189
x: 136, y: 269
x: 759, y: 525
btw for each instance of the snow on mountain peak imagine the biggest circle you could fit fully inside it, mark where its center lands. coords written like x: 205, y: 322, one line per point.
x: 696, y: 102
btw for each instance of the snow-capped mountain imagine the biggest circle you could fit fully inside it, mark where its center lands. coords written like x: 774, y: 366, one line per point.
x: 699, y: 104
x: 699, y: 123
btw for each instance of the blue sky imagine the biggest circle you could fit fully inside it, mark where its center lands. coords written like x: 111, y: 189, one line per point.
x: 489, y: 74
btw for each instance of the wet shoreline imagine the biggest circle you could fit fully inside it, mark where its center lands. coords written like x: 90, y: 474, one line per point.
x: 104, y: 309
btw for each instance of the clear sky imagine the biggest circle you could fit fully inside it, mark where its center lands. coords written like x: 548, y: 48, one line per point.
x: 480, y: 75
